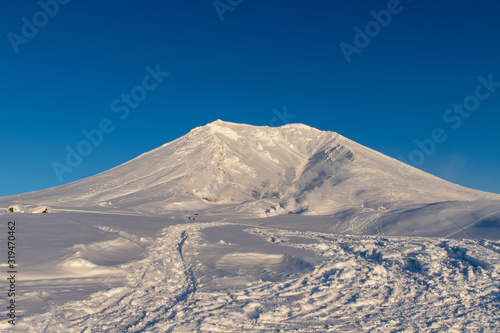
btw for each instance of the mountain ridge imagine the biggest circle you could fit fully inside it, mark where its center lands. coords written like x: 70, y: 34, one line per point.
x: 265, y: 170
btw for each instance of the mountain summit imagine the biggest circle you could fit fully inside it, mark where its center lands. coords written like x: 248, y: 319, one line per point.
x: 258, y: 170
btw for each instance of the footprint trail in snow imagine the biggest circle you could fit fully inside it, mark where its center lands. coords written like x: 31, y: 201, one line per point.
x: 356, y: 283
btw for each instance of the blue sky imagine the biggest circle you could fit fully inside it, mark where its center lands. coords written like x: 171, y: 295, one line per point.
x: 62, y: 78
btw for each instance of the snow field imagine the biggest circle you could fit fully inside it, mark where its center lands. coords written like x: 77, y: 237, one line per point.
x: 358, y: 283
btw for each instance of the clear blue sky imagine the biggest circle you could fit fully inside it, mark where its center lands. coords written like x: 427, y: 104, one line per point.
x: 262, y: 55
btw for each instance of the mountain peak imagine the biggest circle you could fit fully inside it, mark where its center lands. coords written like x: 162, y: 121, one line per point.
x: 294, y: 134
x: 218, y: 124
x: 267, y: 170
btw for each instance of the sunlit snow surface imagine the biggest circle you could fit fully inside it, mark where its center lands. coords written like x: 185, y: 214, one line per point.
x: 196, y: 236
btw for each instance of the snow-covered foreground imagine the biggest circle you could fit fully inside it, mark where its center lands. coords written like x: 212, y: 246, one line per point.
x: 237, y: 276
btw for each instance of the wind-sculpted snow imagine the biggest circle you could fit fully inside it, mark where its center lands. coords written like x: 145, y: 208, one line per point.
x: 350, y: 283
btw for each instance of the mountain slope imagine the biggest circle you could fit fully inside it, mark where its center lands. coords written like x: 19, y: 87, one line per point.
x: 265, y: 171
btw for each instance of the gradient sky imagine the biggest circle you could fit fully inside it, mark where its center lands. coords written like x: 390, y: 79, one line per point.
x: 263, y: 56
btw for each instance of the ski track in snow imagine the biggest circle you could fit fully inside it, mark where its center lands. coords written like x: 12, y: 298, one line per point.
x: 357, y: 283
x: 157, y: 290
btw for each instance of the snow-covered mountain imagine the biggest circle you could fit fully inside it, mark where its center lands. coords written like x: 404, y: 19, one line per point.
x: 237, y: 228
x: 260, y: 171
